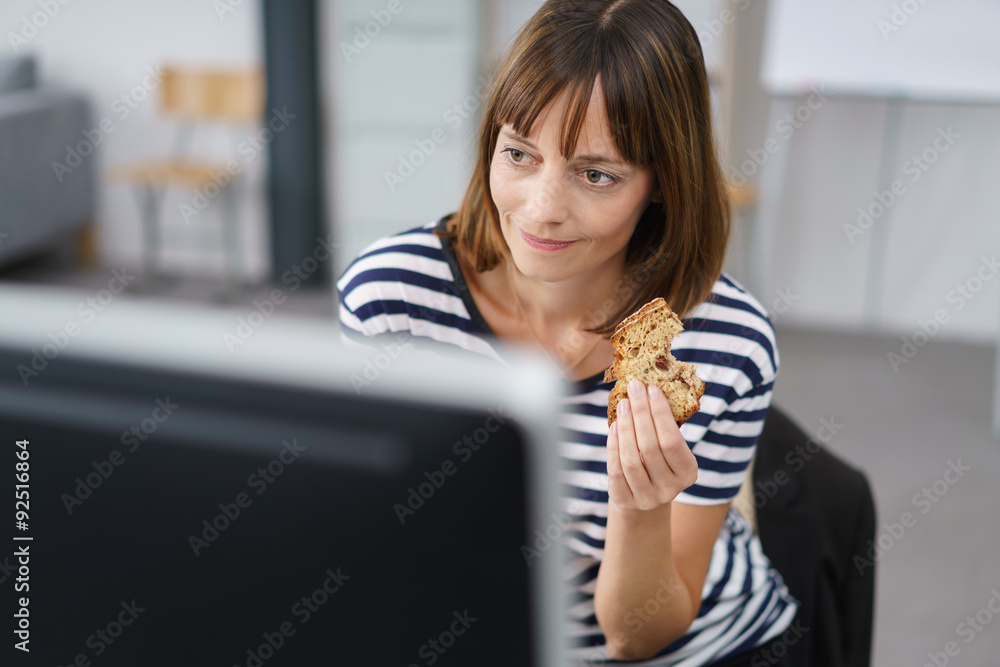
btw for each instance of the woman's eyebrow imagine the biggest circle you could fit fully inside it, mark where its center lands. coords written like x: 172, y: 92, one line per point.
x: 517, y: 137
x: 615, y: 162
x: 578, y: 158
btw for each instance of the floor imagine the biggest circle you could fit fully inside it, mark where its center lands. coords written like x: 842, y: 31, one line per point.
x: 939, y: 563
x: 906, y: 429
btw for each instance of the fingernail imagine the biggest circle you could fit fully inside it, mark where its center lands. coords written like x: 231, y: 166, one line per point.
x: 653, y: 391
x: 614, y: 428
x: 623, y: 407
x: 634, y: 388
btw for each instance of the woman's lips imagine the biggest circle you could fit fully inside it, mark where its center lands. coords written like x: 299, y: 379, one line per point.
x: 544, y: 244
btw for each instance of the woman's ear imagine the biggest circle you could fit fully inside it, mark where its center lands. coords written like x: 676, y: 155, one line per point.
x: 656, y: 198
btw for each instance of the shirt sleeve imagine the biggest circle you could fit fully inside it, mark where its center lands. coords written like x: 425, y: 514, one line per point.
x: 733, y: 344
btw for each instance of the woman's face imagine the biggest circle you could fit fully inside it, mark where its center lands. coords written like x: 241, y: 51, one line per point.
x: 564, y: 218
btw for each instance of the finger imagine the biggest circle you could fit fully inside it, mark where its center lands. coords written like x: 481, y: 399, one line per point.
x: 674, y: 449
x: 618, y: 487
x: 628, y: 450
x: 646, y: 436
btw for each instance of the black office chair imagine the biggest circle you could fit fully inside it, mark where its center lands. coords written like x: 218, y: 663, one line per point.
x: 811, y: 528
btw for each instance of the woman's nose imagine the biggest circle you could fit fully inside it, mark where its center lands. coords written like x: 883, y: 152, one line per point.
x: 546, y: 198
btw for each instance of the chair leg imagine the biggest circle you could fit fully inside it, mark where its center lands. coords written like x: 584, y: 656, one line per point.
x: 85, y: 246
x: 150, y: 209
x: 232, y: 241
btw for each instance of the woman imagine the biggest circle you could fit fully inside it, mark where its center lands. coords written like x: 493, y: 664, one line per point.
x: 596, y: 190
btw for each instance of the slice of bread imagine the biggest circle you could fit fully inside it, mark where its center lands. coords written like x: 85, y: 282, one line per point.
x: 642, y: 352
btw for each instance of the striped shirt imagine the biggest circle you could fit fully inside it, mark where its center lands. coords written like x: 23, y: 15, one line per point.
x: 411, y: 283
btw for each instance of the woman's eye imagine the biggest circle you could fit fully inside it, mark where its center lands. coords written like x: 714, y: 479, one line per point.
x: 515, y: 155
x: 594, y: 177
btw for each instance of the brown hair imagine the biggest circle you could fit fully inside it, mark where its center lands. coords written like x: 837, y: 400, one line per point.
x: 657, y: 96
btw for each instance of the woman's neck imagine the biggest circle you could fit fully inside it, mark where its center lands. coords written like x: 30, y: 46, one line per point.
x: 580, y: 302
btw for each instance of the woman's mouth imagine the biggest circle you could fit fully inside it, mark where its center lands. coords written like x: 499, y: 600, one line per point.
x: 544, y: 244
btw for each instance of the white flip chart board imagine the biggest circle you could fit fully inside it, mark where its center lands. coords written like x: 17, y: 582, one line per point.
x: 934, y: 50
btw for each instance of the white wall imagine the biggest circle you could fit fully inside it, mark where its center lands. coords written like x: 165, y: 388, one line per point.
x: 103, y: 48
x: 936, y: 232
x: 399, y: 153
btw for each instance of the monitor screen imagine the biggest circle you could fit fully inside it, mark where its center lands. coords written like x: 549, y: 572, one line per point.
x: 182, y: 517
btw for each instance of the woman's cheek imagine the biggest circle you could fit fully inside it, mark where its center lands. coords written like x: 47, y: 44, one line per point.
x: 501, y: 189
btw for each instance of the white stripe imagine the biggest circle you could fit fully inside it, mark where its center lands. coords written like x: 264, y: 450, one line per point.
x: 590, y: 529
x: 443, y: 334
x: 710, y: 450
x: 583, y: 609
x: 752, y: 403
x: 720, y: 480
x: 576, y: 566
x: 349, y: 320
x: 585, y: 479
x: 596, y: 397
x: 578, y: 452
x: 585, y: 423
x: 737, y: 429
x: 584, y: 507
x: 395, y: 291
x: 727, y: 344
x: 583, y: 548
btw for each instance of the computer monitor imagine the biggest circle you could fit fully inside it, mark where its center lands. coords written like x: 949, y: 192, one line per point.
x: 283, y: 503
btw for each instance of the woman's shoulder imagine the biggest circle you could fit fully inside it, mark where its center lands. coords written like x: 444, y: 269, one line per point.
x: 410, y: 282
x: 731, y: 335
x: 414, y: 250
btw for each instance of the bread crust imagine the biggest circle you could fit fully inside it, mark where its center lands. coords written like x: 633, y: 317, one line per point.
x: 642, y: 352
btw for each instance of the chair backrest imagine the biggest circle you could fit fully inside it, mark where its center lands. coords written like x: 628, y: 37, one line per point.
x: 234, y: 95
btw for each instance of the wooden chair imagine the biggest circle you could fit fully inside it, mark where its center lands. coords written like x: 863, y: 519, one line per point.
x: 193, y: 96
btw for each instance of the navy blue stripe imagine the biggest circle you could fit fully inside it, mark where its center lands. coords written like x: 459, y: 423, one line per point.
x: 588, y: 409
x: 721, y: 466
x: 748, y: 579
x: 729, y: 281
x: 589, y: 466
x: 594, y: 519
x: 408, y: 249
x: 711, y: 493
x: 398, y: 275
x: 580, y: 493
x: 736, y: 304
x: 700, y: 419
x: 586, y: 539
x: 391, y: 307
x: 754, y: 639
x: 588, y: 641
x: 678, y: 643
x: 721, y: 584
x: 584, y: 438
x: 586, y: 576
x: 737, y: 362
x: 737, y: 617
x: 747, y: 416
x: 759, y: 390
x: 723, y: 391
x: 737, y: 441
x: 576, y: 597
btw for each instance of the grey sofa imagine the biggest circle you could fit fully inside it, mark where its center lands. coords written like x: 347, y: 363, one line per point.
x: 40, y: 205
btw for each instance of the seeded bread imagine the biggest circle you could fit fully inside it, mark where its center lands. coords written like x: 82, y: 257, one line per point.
x: 642, y: 352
